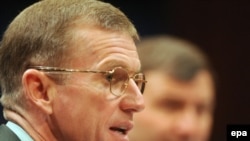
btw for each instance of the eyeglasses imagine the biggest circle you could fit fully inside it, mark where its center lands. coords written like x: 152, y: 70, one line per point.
x: 118, y: 77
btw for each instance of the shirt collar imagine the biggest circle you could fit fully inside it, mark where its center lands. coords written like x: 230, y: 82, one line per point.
x: 21, y: 134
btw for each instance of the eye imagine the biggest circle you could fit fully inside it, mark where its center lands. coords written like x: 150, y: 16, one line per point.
x: 109, y: 77
x: 203, y: 108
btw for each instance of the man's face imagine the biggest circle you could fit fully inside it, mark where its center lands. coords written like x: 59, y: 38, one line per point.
x: 84, y: 108
x: 175, y: 110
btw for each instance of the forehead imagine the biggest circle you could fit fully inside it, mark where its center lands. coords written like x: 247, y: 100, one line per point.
x: 162, y: 86
x: 100, y: 49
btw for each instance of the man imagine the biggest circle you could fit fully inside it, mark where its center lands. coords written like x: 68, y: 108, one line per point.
x: 69, y: 71
x: 179, y: 97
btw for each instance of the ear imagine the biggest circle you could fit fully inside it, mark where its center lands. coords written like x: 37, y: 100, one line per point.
x: 39, y: 89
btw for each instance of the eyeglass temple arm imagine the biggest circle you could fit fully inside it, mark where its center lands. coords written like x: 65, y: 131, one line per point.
x: 56, y: 69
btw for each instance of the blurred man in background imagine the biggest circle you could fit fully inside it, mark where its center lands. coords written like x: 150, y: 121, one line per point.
x: 180, y: 94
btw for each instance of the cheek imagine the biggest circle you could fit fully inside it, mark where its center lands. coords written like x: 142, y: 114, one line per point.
x: 156, y: 120
x: 82, y: 109
x: 78, y: 102
x: 206, y: 125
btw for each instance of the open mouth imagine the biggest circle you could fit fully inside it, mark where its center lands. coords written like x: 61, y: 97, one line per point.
x: 120, y: 130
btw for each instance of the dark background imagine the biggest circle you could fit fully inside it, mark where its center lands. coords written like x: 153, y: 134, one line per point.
x: 219, y: 27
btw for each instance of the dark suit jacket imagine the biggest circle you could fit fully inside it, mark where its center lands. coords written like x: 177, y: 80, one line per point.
x: 7, y: 135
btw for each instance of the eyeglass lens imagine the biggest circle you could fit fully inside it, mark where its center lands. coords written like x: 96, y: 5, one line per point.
x: 119, y: 79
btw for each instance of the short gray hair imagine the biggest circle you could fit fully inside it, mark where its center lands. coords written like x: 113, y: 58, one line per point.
x: 41, y: 35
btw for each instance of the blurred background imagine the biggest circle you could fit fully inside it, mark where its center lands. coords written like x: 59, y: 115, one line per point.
x: 220, y: 27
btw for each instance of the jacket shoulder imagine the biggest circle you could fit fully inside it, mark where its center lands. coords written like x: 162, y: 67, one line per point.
x: 6, y: 134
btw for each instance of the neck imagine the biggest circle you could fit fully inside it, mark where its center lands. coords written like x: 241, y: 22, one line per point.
x: 37, y: 128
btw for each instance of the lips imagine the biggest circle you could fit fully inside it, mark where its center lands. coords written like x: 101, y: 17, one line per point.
x: 122, y: 128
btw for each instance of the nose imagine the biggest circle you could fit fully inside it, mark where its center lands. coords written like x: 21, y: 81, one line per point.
x: 132, y: 100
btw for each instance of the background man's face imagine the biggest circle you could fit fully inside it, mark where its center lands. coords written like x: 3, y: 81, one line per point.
x: 175, y: 110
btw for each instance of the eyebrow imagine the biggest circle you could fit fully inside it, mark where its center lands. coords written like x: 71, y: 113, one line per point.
x: 114, y: 63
